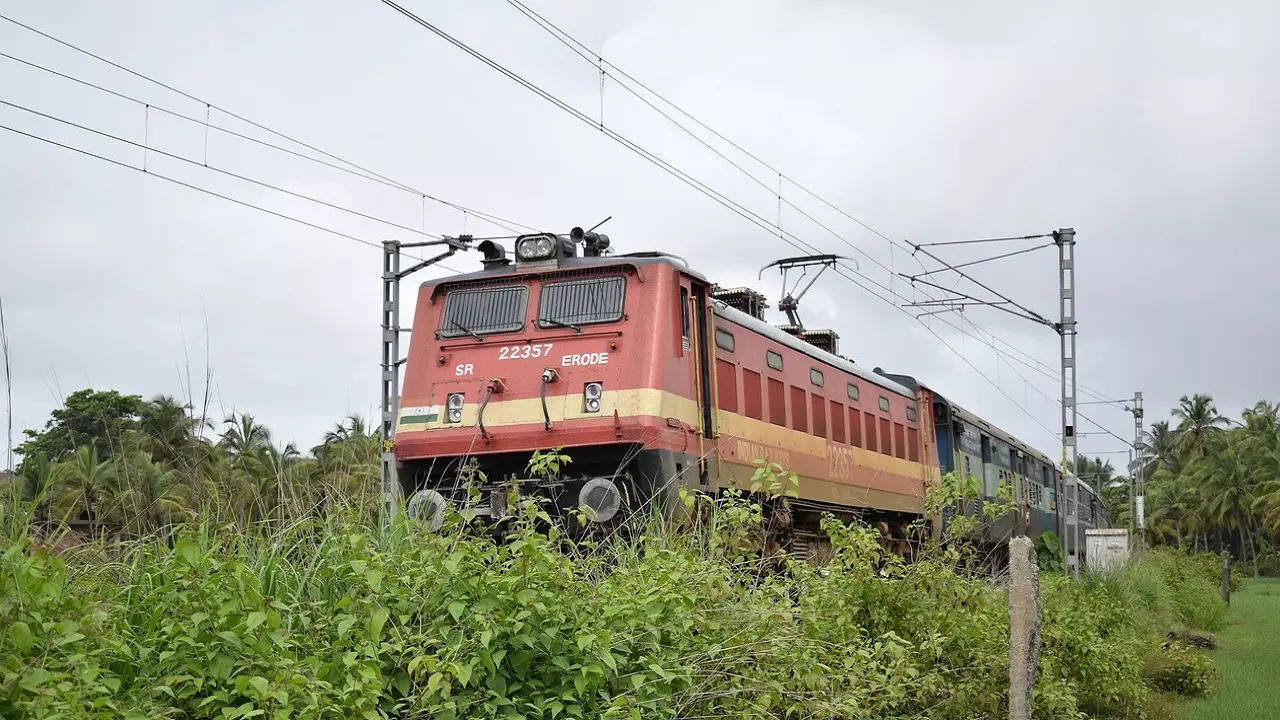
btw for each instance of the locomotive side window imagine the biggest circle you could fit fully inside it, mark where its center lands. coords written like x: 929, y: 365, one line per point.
x: 911, y: 413
x: 751, y: 394
x: 884, y: 404
x: 819, y: 408
x: 724, y: 340
x: 777, y: 403
x: 815, y: 377
x: 484, y: 310
x: 773, y: 359
x: 727, y: 385
x: 853, y: 391
x: 799, y: 412
x: 837, y: 422
x: 581, y: 302
x: 684, y: 319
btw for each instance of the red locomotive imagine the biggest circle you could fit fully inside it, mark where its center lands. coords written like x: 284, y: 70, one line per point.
x: 652, y: 380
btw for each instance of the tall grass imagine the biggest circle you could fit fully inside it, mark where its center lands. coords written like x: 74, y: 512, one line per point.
x: 325, y: 617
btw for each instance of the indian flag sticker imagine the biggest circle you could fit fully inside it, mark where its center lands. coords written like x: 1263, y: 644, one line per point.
x: 421, y: 414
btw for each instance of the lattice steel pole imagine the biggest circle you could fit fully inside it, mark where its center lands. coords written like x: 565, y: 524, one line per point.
x: 390, y: 485
x: 1139, y: 485
x: 1065, y: 239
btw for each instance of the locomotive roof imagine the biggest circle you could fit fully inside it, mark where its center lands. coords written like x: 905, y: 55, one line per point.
x: 783, y: 338
x: 638, y: 259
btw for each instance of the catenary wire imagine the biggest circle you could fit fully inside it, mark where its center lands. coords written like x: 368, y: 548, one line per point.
x: 594, y: 58
x: 729, y: 203
x: 197, y: 188
x: 350, y: 166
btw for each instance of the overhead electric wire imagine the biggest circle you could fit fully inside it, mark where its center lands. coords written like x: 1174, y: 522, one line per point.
x: 587, y: 53
x: 190, y: 186
x: 206, y: 191
x: 222, y: 171
x: 751, y: 216
x: 351, y: 167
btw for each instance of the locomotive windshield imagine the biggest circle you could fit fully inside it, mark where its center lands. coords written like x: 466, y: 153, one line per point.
x: 581, y: 302
x: 484, y: 310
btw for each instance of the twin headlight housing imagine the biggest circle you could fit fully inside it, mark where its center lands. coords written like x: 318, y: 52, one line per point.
x: 453, y: 407
x: 592, y: 393
x: 536, y: 247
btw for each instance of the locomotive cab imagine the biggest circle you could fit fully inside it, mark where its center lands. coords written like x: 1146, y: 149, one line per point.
x: 596, y: 355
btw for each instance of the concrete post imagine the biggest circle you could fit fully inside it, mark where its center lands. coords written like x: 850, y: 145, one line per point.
x: 1226, y: 576
x: 1024, y: 626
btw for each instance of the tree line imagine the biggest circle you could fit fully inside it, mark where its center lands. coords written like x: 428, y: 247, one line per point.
x: 117, y: 465
x: 1211, y: 482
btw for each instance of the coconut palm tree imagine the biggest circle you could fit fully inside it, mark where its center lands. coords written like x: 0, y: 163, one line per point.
x: 169, y: 427
x: 1198, y: 420
x: 81, y: 484
x: 1226, y: 487
x: 149, y: 495
x: 1161, y: 444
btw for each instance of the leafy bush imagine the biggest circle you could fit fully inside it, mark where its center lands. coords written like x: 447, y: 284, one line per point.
x: 329, y: 618
x: 1182, y: 670
x: 1195, y: 584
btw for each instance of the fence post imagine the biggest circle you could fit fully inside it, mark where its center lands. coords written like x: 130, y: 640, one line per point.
x: 1024, y: 626
x: 1226, y: 576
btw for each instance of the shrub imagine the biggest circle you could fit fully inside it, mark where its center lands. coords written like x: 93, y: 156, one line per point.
x: 1180, y: 669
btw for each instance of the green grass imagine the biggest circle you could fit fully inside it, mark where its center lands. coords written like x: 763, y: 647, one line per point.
x: 1248, y: 658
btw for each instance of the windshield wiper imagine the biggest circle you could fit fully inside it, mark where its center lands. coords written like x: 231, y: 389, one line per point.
x: 563, y: 324
x: 467, y: 330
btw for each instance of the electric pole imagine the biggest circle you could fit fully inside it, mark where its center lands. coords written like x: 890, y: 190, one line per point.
x: 1138, y: 488
x: 390, y: 354
x: 1065, y: 239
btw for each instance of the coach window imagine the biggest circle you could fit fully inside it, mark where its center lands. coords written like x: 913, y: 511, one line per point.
x: 884, y: 404
x: 869, y: 425
x: 911, y: 414
x: 815, y: 376
x: 853, y: 391
x: 724, y: 340
x: 773, y: 359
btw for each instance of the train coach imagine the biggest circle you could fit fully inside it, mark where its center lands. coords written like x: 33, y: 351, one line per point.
x: 653, y: 380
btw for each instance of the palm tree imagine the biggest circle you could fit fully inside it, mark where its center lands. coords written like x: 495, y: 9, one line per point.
x: 1198, y: 420
x: 1161, y: 445
x: 149, y: 494
x: 243, y: 436
x: 1226, y: 489
x: 169, y: 427
x: 81, y: 483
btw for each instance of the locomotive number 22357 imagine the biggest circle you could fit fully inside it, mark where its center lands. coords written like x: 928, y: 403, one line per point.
x: 519, y: 352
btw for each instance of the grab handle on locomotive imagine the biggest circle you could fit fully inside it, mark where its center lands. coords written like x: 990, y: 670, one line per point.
x: 548, y: 375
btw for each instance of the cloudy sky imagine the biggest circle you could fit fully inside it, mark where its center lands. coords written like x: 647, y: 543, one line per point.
x: 1153, y: 129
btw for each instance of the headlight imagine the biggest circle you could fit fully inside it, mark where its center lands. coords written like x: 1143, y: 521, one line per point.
x: 535, y: 247
x: 591, y: 394
x: 453, y: 409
